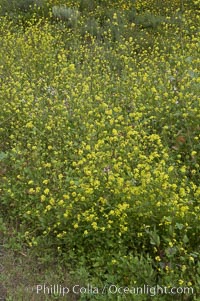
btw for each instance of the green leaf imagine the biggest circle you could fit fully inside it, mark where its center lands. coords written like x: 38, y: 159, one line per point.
x: 185, y: 239
x: 3, y: 156
x: 179, y: 226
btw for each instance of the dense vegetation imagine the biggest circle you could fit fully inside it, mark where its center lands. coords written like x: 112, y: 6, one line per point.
x: 99, y: 139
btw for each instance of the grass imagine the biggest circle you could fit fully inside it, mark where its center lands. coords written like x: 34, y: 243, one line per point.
x: 23, y: 272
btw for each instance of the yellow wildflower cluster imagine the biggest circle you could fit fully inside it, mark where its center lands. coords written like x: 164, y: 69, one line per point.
x: 100, y: 138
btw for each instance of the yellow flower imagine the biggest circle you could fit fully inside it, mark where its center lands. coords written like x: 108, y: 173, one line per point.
x: 108, y: 112
x: 31, y: 190
x: 153, y: 89
x: 52, y: 201
x: 48, y: 207
x: 37, y: 189
x: 76, y: 226
x: 66, y: 214
x: 66, y: 196
x: 45, y: 182
x: 114, y: 132
x: 183, y: 169
x: 94, y: 225
x: 46, y: 191
x: 29, y: 125
x: 43, y: 197
x: 72, y: 67
x: 88, y: 147
x: 61, y: 202
x: 171, y: 168
x: 181, y: 281
x: 60, y: 176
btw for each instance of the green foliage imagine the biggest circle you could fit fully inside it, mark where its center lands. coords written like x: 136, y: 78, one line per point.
x: 149, y: 20
x: 99, y: 131
x: 66, y: 14
x: 22, y: 6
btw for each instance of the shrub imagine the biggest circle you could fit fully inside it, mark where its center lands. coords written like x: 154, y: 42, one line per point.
x: 67, y: 14
x: 23, y: 6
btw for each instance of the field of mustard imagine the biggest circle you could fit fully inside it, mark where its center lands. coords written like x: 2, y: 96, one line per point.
x: 100, y: 139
